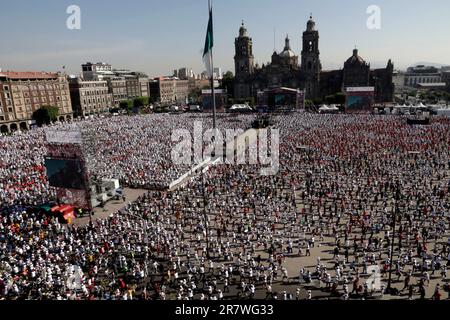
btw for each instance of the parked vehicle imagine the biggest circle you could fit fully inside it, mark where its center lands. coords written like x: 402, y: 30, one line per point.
x: 195, y: 108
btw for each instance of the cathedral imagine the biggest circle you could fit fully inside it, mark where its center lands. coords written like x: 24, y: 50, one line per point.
x: 284, y: 70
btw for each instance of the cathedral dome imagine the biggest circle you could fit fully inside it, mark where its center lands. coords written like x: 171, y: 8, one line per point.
x: 287, y: 52
x: 355, y: 59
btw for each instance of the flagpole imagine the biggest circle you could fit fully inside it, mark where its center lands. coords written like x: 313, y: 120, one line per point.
x: 213, y: 94
x: 214, y: 128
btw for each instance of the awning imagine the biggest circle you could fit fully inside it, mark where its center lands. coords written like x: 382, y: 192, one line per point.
x: 46, y: 207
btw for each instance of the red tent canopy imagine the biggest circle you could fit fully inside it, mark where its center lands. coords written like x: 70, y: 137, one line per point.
x: 67, y: 211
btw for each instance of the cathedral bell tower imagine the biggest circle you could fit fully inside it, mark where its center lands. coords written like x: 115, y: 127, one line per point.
x: 243, y: 63
x: 311, y: 66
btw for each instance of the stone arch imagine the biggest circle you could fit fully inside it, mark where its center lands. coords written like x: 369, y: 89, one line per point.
x: 13, y: 127
x: 62, y: 118
x: 4, y: 128
x: 23, y: 126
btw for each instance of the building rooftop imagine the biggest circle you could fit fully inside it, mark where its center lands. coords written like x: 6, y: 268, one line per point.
x: 422, y: 69
x: 432, y: 85
x: 28, y: 75
x: 166, y: 78
x: 98, y: 63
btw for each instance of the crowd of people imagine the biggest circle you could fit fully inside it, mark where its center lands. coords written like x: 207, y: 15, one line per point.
x: 22, y: 172
x: 359, y: 209
x: 134, y: 150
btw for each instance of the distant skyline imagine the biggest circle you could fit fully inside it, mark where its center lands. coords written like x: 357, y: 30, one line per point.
x: 158, y: 36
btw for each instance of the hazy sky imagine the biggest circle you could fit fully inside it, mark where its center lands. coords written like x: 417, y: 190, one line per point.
x: 157, y: 36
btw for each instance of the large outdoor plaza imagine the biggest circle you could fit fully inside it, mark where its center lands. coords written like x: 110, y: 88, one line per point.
x: 359, y: 209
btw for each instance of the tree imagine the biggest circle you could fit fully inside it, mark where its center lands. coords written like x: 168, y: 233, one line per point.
x: 140, y: 102
x: 317, y: 101
x: 339, y: 98
x: 447, y: 96
x: 46, y: 115
x: 194, y: 96
x: 309, y: 103
x: 330, y: 99
x: 228, y: 82
x: 228, y: 76
x: 153, y: 99
x: 126, y: 104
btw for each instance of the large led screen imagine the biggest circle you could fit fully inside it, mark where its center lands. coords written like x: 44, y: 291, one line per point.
x: 68, y: 174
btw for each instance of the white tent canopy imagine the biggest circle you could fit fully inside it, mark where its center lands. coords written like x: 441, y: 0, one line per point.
x: 328, y: 108
x: 241, y: 107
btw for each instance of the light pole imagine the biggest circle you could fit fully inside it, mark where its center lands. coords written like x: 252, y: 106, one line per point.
x: 397, y: 198
x: 205, y: 216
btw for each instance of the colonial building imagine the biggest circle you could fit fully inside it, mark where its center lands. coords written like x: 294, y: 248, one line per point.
x: 284, y: 70
x: 90, y: 97
x: 357, y: 73
x: 168, y: 90
x: 244, y: 65
x: 199, y: 84
x: 446, y: 79
x: 422, y: 74
x: 96, y: 71
x: 122, y: 84
x: 137, y: 83
x: 22, y: 93
x: 118, y: 88
x: 311, y: 65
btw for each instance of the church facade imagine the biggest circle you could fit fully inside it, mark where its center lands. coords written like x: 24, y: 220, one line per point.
x: 284, y: 70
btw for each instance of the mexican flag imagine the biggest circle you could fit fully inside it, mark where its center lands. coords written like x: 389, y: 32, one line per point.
x: 209, y: 42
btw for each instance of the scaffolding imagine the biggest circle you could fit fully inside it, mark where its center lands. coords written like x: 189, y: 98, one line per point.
x: 74, y: 144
